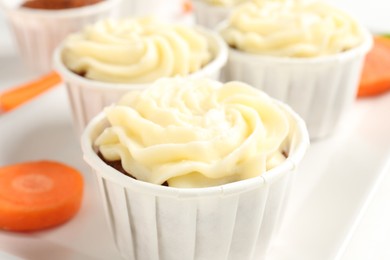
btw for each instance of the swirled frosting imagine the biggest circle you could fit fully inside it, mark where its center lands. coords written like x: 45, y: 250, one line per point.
x: 291, y: 28
x: 138, y: 50
x: 227, y: 3
x: 194, y: 133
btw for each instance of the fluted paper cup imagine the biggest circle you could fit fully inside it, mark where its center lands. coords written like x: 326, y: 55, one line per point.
x: 321, y: 90
x: 88, y: 97
x: 38, y: 32
x: 209, y: 15
x: 140, y: 7
x: 231, y: 221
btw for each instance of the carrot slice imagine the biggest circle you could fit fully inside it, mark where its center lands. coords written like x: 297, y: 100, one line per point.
x: 375, y: 77
x: 16, y: 96
x: 38, y: 195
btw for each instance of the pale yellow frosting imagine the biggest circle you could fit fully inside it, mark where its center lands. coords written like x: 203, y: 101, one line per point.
x: 226, y: 3
x: 135, y: 50
x: 291, y: 28
x: 195, y: 132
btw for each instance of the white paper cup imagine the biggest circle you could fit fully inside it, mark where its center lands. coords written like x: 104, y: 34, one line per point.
x: 171, y: 10
x: 232, y: 221
x: 88, y: 97
x: 140, y: 7
x: 38, y: 32
x: 209, y: 15
x: 320, y: 90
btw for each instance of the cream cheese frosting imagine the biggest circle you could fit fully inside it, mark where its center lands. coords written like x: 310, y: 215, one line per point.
x: 291, y: 28
x: 135, y: 50
x: 194, y: 133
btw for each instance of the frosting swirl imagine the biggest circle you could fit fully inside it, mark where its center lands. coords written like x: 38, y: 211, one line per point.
x: 138, y: 50
x: 291, y: 28
x: 194, y: 132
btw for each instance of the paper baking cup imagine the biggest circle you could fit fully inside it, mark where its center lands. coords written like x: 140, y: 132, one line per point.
x: 38, y: 32
x: 169, y: 10
x: 320, y: 90
x: 139, y: 7
x: 88, y: 97
x: 208, y: 15
x: 232, y: 221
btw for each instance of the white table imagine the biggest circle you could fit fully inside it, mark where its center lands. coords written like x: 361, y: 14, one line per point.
x: 338, y: 210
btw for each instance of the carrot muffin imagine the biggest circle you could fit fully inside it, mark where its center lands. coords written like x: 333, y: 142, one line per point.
x: 228, y: 153
x: 305, y: 53
x: 113, y: 56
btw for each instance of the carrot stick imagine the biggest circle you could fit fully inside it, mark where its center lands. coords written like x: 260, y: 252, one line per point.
x: 38, y: 195
x: 16, y: 96
x: 375, y: 77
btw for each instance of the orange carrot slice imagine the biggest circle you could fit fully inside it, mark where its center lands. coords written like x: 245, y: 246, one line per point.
x: 375, y: 78
x: 16, y: 96
x: 38, y: 195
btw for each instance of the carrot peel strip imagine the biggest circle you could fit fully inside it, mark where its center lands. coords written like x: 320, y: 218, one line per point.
x: 17, y: 96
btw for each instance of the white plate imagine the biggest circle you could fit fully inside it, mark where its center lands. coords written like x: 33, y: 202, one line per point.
x: 332, y: 192
x: 332, y: 188
x: 42, y: 130
x: 337, y: 180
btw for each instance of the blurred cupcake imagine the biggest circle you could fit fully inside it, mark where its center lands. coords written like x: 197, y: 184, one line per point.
x: 40, y: 25
x: 195, y: 169
x: 305, y: 53
x: 110, y: 57
x: 210, y: 13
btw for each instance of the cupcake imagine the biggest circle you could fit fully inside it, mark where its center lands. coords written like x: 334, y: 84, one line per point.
x: 110, y: 57
x: 305, y: 53
x: 210, y: 13
x: 194, y: 168
x: 40, y: 25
